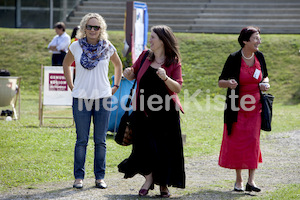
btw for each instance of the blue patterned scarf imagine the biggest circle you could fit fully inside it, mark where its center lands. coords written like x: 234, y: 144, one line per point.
x: 92, y: 54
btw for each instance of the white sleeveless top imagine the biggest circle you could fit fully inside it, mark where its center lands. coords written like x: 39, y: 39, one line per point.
x: 94, y: 83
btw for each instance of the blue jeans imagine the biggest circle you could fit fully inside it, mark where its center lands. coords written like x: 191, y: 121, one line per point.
x: 83, y: 110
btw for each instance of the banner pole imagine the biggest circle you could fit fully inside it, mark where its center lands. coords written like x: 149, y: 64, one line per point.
x: 40, y: 97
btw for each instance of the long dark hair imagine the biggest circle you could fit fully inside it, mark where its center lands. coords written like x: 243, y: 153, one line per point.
x: 74, y: 32
x: 166, y: 35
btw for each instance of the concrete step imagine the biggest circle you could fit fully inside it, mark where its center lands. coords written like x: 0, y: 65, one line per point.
x: 223, y: 16
x: 80, y: 14
x: 278, y: 11
x: 230, y: 30
x: 149, y: 4
x: 103, y: 3
x: 196, y: 10
x: 236, y: 28
x: 251, y: 5
x: 194, y: 1
x: 107, y: 20
x: 150, y: 1
x: 248, y: 16
x: 150, y: 9
x: 171, y: 16
x: 177, y: 21
x: 257, y: 22
x: 170, y: 5
x: 106, y: 17
x: 99, y: 9
x: 254, y: 1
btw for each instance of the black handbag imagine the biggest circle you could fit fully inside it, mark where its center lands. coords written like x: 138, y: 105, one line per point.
x: 124, y: 133
x: 267, y: 109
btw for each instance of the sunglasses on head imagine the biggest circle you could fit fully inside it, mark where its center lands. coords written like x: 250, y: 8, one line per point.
x: 89, y: 27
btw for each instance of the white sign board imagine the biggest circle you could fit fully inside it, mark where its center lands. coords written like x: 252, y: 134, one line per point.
x: 139, y: 33
x: 56, y: 90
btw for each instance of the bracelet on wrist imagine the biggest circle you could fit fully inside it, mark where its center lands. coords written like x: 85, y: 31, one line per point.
x: 116, y: 86
x: 166, y: 79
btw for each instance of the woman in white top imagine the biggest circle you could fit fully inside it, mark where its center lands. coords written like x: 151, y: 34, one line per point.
x: 91, y: 92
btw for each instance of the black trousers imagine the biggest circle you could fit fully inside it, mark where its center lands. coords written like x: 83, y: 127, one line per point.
x: 57, y: 59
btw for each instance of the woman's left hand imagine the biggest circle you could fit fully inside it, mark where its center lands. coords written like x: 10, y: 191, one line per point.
x: 114, y: 90
x: 161, y: 72
x: 264, y: 86
x: 172, y: 85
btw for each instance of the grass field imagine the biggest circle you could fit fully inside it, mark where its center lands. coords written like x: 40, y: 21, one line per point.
x: 30, y: 154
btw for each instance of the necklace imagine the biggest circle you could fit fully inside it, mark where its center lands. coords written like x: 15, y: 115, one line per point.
x: 246, y: 57
x: 160, y: 63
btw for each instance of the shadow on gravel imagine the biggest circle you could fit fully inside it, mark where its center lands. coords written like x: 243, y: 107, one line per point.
x: 204, y: 195
x: 52, y: 194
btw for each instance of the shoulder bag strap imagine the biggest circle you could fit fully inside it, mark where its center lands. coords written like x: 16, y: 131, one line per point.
x: 130, y: 95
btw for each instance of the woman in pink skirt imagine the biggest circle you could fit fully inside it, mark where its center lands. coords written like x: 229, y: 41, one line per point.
x: 245, y: 75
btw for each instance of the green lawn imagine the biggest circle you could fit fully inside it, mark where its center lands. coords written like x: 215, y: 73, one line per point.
x: 292, y: 191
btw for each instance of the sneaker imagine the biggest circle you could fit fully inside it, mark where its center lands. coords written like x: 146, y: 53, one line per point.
x: 100, y: 184
x: 78, y: 183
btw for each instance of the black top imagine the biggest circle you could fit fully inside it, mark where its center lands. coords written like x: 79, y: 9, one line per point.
x: 151, y: 85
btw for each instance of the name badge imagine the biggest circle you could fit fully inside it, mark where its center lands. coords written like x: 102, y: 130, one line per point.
x: 256, y: 74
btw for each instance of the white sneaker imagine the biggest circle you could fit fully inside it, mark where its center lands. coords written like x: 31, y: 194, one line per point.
x: 100, y: 184
x: 78, y: 183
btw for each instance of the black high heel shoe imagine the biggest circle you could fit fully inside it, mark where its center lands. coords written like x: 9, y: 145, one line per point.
x: 250, y: 188
x: 144, y: 192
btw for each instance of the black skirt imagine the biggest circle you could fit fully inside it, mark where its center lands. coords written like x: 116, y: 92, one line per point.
x: 157, y: 141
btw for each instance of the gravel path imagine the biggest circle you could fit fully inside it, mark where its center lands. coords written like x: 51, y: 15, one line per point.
x: 205, y: 179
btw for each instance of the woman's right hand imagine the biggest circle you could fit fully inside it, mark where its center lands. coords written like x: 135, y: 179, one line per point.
x: 232, y: 84
x: 129, y: 73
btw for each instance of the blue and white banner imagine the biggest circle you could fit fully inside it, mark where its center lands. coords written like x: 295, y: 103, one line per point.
x: 140, y: 29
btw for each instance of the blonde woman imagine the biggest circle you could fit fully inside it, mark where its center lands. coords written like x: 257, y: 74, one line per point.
x: 91, y: 92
